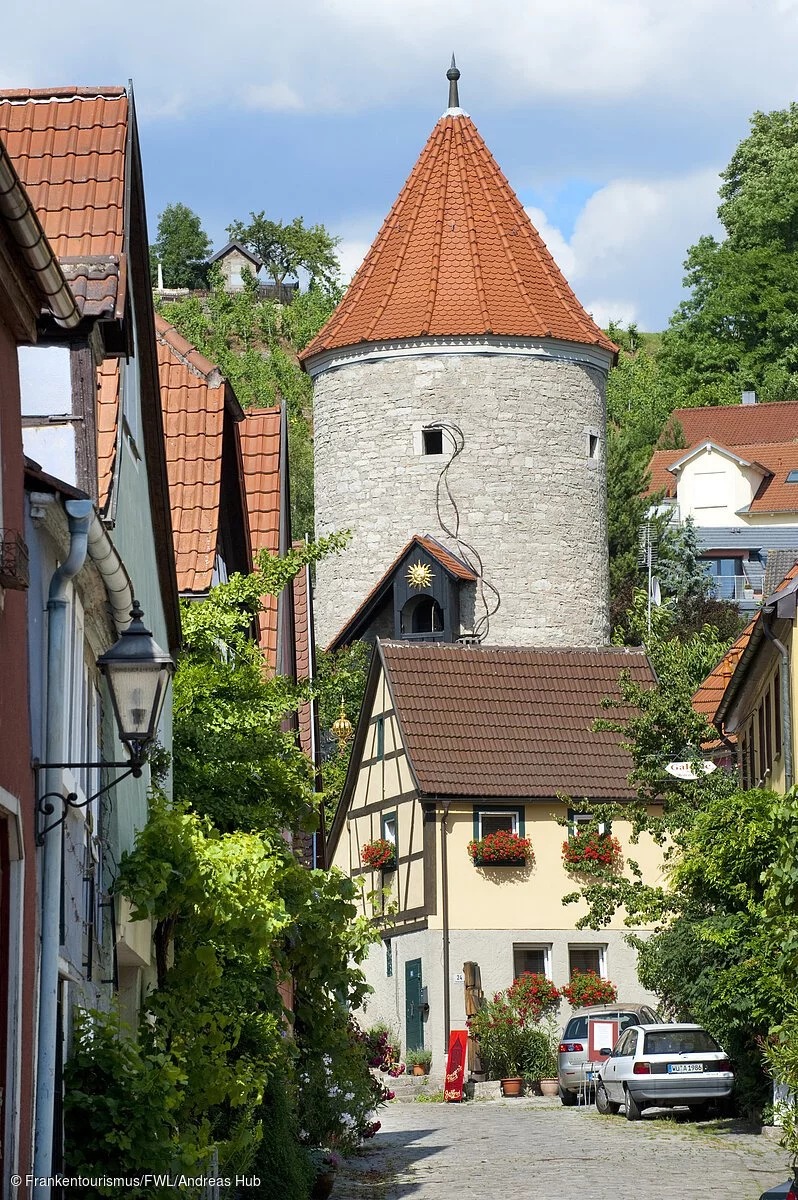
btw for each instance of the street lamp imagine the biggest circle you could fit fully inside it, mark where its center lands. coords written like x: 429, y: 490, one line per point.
x: 138, y: 672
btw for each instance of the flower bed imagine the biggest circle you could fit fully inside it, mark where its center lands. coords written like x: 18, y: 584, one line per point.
x: 587, y: 988
x: 501, y: 849
x: 590, y: 849
x: 379, y: 854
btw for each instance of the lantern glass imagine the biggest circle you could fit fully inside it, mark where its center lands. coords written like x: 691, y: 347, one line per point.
x: 138, y: 673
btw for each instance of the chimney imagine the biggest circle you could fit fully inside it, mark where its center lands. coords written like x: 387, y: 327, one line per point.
x: 749, y: 398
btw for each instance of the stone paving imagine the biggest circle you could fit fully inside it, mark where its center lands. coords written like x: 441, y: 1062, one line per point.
x: 539, y: 1150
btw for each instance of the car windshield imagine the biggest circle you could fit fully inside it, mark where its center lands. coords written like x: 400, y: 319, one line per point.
x: 680, y: 1041
x: 577, y: 1026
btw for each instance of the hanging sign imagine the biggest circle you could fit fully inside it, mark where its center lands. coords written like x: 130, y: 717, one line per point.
x: 687, y: 770
x: 455, y: 1065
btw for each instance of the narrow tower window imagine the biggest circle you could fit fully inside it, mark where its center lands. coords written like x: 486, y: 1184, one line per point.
x: 592, y: 445
x: 432, y: 441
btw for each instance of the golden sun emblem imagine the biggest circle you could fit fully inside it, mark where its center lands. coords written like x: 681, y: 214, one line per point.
x: 419, y: 575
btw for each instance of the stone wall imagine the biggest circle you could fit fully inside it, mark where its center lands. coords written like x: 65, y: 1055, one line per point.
x: 530, y: 497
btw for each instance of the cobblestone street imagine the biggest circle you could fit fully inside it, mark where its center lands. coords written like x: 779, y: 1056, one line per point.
x: 540, y: 1150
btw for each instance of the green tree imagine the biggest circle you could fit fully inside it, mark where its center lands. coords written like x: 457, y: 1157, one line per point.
x: 182, y: 248
x: 627, y: 504
x: 285, y: 249
x: 738, y: 328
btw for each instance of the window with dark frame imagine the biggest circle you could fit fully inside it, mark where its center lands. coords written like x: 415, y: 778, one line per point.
x: 768, y: 730
x: 432, y: 441
x: 777, y: 710
x: 585, y: 958
x: 750, y: 756
x: 388, y: 958
x: 532, y: 960
x: 380, y: 738
x: 761, y: 751
x: 389, y: 827
x: 745, y: 775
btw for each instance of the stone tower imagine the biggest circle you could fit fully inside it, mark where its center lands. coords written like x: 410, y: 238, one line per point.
x: 460, y: 394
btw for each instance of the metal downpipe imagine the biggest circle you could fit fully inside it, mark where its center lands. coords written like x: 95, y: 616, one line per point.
x: 80, y: 514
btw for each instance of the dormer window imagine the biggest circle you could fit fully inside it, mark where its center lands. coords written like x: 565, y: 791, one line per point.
x: 420, y: 615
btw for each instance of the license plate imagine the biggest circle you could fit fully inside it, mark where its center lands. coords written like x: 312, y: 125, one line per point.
x: 684, y: 1068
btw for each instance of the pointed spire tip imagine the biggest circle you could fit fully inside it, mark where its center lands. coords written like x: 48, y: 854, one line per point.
x: 453, y: 75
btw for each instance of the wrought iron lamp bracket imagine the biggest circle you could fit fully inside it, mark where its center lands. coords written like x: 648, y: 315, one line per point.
x: 45, y: 806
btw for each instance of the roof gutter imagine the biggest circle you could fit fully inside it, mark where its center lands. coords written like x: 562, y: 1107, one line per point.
x: 105, y: 556
x: 26, y: 230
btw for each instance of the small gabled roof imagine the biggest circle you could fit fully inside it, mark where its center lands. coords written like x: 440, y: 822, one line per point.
x: 196, y: 400
x: 242, y: 249
x: 260, y: 450
x: 365, y: 610
x: 456, y: 256
x: 69, y: 146
x: 710, y: 446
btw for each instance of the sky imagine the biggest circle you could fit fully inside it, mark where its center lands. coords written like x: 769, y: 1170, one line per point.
x: 610, y: 118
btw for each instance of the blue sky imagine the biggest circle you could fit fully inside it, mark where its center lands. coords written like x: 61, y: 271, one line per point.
x: 611, y: 118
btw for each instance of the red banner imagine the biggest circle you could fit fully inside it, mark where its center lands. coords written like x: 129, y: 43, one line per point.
x: 455, y: 1065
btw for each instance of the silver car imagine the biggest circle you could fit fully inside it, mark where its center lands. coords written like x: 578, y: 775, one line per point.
x: 572, y: 1050
x: 656, y: 1066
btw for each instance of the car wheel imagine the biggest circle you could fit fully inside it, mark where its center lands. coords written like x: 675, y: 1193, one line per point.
x: 567, y: 1098
x: 605, y: 1106
x: 634, y: 1111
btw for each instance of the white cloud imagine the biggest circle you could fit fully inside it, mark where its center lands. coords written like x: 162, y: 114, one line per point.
x: 356, y: 54
x: 624, y: 258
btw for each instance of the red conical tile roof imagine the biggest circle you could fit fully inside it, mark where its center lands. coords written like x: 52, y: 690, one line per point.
x: 456, y: 256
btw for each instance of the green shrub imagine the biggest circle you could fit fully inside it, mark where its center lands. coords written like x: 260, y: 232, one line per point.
x: 280, y: 1160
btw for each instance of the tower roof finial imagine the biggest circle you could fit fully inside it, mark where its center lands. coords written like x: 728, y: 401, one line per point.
x: 453, y: 75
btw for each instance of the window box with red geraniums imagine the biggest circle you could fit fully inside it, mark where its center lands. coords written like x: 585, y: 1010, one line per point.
x: 590, y: 849
x: 380, y: 855
x: 587, y: 988
x: 501, y: 849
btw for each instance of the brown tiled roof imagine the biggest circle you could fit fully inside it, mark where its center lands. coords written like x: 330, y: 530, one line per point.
x: 709, y: 695
x: 193, y: 400
x: 737, y: 424
x: 511, y: 722
x: 457, y: 255
x: 107, y: 426
x: 260, y: 449
x: 447, y: 560
x: 661, y: 478
x: 69, y: 148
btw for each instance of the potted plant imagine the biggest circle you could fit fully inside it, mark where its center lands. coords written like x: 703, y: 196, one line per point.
x: 379, y: 855
x: 501, y: 849
x: 420, y: 1061
x: 324, y: 1163
x: 587, y: 849
x: 587, y: 988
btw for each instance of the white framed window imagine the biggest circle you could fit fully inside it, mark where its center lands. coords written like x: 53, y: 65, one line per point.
x: 494, y: 821
x: 577, y: 821
x: 531, y: 959
x: 389, y: 827
x: 583, y: 958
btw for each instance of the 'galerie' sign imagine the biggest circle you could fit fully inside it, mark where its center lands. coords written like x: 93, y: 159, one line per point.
x: 455, y: 1065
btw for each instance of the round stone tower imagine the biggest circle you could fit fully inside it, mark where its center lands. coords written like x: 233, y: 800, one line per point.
x: 459, y: 393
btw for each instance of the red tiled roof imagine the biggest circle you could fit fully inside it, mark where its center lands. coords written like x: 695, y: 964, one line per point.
x: 435, y: 550
x: 193, y: 400
x: 107, y: 426
x: 709, y: 695
x: 260, y: 450
x: 457, y: 255
x: 737, y: 424
x: 512, y: 722
x: 69, y: 148
x: 661, y: 478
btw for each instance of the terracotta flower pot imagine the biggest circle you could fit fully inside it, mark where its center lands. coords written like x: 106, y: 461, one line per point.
x: 513, y: 1086
x: 419, y: 1069
x: 549, y: 1087
x: 323, y: 1185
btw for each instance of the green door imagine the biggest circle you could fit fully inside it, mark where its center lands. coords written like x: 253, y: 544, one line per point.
x: 414, y: 1028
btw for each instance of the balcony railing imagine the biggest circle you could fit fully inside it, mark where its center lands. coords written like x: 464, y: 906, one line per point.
x: 735, y: 587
